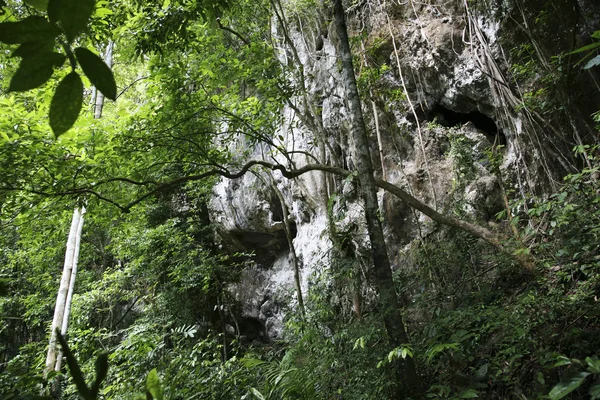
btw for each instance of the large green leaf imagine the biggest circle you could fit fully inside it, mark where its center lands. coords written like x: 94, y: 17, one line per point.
x: 468, y: 394
x: 593, y: 364
x: 97, y: 71
x: 30, y: 29
x: 73, y: 15
x: 33, y: 49
x: 565, y: 387
x: 154, y: 386
x: 592, y: 63
x: 589, y: 47
x: 101, y: 371
x: 74, y: 368
x: 34, y: 71
x: 595, y: 391
x: 66, y: 104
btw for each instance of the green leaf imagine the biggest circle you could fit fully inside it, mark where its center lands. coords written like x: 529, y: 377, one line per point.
x: 360, y: 342
x: 82, y: 388
x: 154, y: 386
x: 101, y: 371
x: 592, y: 63
x: 482, y: 371
x: 438, y: 348
x: 66, y: 104
x: 32, y: 49
x: 102, y: 12
x: 34, y: 71
x: 251, y: 362
x: 30, y: 29
x: 257, y: 394
x: 568, y: 385
x: 595, y: 391
x: 589, y: 47
x: 41, y: 5
x: 98, y: 72
x: 593, y: 365
x: 73, y: 15
x: 562, y: 360
x: 540, y: 378
x: 468, y: 394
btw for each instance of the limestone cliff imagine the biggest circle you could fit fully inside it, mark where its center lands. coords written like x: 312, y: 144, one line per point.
x: 451, y: 90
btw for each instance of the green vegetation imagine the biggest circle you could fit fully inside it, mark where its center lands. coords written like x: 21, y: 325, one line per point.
x: 199, y: 87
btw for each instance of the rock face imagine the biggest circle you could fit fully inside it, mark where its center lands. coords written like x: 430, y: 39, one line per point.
x: 448, y: 93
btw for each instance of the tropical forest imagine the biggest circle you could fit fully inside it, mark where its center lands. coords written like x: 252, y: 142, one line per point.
x: 299, y: 199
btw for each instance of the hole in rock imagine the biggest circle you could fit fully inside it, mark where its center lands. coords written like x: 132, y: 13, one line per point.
x: 293, y: 229
x: 449, y: 118
x: 276, y: 208
x: 319, y: 43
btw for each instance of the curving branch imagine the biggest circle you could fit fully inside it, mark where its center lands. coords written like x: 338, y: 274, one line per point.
x: 478, y: 231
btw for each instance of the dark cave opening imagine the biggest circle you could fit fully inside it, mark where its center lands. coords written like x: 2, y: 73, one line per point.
x: 448, y: 118
x: 276, y: 208
x: 277, y: 214
x: 293, y: 229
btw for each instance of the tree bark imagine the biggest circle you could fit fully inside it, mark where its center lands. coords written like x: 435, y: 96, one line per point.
x: 99, y: 96
x: 292, y: 252
x: 388, y: 299
x: 61, y: 298
x: 65, y: 321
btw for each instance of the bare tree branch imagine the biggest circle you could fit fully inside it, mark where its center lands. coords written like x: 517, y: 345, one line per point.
x: 478, y: 231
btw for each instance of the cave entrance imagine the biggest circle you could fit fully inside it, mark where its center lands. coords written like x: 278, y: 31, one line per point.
x: 448, y: 118
x: 277, y: 214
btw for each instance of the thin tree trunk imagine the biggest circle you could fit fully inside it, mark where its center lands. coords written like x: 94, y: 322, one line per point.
x: 388, y: 298
x: 290, y: 240
x: 61, y: 298
x: 375, y: 118
x: 99, y: 96
x: 65, y: 321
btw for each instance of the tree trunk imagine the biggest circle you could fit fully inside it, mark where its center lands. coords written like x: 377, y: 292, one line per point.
x: 290, y: 240
x: 388, y: 299
x: 61, y: 298
x: 65, y: 321
x: 99, y: 96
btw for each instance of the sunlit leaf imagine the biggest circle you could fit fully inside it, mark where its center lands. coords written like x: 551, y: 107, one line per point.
x: 257, y: 394
x: 592, y: 63
x: 97, y: 71
x: 562, y: 360
x: 588, y: 47
x: 251, y: 362
x: 568, y: 385
x: 154, y: 386
x: 66, y: 104
x: 102, y: 12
